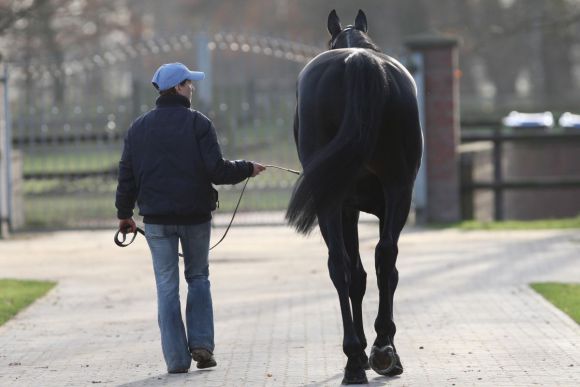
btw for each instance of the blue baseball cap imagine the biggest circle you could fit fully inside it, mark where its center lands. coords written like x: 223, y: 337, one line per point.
x: 171, y: 74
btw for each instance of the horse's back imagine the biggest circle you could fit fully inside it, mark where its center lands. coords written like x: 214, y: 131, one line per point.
x: 327, y: 70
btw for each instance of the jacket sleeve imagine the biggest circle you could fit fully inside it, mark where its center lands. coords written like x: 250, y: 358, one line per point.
x: 220, y: 170
x: 126, y: 187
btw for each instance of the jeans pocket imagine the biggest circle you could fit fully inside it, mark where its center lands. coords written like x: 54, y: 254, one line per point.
x: 155, y: 231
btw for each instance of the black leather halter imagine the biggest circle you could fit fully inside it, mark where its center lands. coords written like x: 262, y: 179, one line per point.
x: 333, y: 42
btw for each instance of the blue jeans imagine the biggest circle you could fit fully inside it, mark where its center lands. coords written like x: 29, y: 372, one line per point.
x: 163, y: 242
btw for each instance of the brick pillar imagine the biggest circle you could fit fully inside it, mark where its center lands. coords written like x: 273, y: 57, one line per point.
x: 441, y: 124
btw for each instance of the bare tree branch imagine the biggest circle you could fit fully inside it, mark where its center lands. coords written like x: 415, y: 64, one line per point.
x: 498, y: 33
x: 8, y: 17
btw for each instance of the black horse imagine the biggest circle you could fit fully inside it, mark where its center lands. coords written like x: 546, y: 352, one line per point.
x: 359, y: 142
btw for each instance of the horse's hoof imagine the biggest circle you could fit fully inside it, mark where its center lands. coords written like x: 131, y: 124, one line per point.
x: 364, y: 361
x: 398, y: 368
x: 355, y: 376
x: 383, y: 360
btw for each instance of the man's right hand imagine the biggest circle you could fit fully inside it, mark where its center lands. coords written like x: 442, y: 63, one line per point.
x: 257, y: 168
x: 127, y: 226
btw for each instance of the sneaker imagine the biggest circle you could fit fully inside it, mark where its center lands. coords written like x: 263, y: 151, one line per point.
x: 203, y: 357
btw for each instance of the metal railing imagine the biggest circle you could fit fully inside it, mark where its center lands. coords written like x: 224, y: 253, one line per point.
x: 70, y: 149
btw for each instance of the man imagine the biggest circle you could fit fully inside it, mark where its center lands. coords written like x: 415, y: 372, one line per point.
x: 170, y: 159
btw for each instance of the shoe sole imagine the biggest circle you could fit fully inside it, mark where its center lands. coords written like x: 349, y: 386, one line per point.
x: 204, y: 358
x: 209, y: 364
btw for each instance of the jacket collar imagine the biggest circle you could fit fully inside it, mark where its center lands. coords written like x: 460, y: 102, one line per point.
x: 172, y: 100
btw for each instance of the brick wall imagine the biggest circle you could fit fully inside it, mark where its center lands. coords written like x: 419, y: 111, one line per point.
x: 441, y: 129
x: 528, y: 160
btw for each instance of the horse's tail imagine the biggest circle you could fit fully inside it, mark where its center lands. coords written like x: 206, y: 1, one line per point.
x: 332, y: 169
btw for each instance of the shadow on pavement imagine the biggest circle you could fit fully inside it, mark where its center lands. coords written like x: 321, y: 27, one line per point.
x: 374, y: 380
x: 165, y: 379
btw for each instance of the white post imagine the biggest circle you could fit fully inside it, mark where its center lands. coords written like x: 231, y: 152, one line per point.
x: 9, y: 155
x: 5, y: 154
x: 204, y: 88
x: 420, y: 189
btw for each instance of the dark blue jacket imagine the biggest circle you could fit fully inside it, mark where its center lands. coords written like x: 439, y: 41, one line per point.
x: 170, y: 159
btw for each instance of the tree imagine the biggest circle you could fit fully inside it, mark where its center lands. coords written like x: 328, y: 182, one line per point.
x: 17, y: 10
x: 44, y: 41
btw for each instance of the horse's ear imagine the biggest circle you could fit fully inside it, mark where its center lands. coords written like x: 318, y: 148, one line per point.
x: 334, y: 26
x: 360, y: 23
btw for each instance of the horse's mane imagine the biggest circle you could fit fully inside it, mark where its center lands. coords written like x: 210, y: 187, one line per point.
x: 360, y: 40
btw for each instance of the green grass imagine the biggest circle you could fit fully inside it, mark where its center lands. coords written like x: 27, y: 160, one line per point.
x: 565, y: 297
x: 255, y: 200
x: 76, y: 158
x: 69, y: 211
x: 16, y: 295
x: 545, y: 224
x: 97, y: 209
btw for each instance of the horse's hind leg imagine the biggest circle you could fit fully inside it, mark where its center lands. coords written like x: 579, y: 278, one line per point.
x: 384, y: 358
x: 330, y: 224
x: 358, y: 276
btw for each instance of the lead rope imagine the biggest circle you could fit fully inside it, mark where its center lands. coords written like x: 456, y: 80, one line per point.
x: 121, y: 243
x: 233, y: 215
x: 240, y: 200
x: 283, y: 169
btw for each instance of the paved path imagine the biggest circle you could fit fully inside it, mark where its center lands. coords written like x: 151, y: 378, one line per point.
x: 464, y: 311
